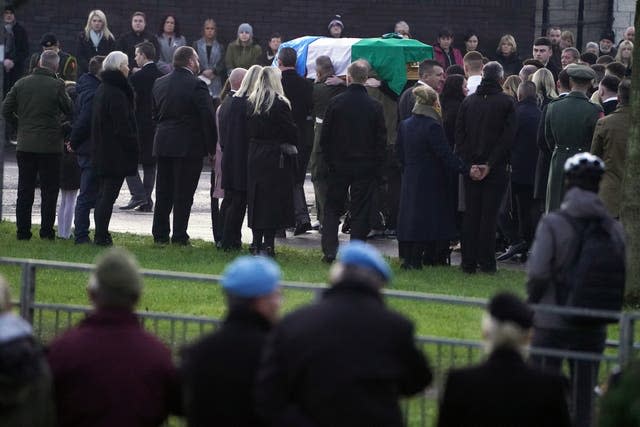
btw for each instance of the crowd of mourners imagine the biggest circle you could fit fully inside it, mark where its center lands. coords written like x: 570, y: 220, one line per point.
x: 504, y: 156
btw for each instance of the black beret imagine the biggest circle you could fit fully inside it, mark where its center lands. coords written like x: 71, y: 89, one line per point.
x: 48, y: 40
x: 506, y: 307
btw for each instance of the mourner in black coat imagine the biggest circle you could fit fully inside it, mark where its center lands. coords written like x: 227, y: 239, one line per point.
x: 127, y: 43
x: 114, y: 145
x: 142, y: 82
x: 353, y: 143
x: 485, y: 128
x: 344, y: 360
x: 270, y: 173
x: 85, y: 50
x: 185, y: 133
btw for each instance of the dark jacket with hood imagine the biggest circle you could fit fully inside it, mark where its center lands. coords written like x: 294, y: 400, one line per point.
x: 83, y: 108
x: 485, y: 126
x: 113, y: 128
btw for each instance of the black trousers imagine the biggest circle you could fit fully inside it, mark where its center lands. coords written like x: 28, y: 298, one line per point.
x: 482, y: 199
x: 176, y: 183
x: 108, y: 191
x: 584, y: 374
x: 391, y: 192
x: 305, y: 146
x: 359, y: 183
x: 235, y: 208
x: 47, y: 166
x: 216, y: 217
x: 528, y: 214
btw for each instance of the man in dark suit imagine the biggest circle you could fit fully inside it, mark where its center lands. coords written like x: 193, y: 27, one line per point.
x: 504, y: 391
x: 346, y: 359
x: 219, y: 371
x: 300, y: 92
x: 485, y: 128
x: 142, y: 82
x: 431, y: 74
x: 353, y: 143
x: 185, y: 133
x: 608, y: 93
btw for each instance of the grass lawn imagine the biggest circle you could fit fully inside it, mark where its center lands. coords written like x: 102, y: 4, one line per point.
x: 202, y: 299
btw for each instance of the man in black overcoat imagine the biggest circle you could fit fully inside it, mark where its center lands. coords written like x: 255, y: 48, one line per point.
x: 142, y: 82
x: 185, y: 133
x: 300, y: 92
x: 127, y: 42
x: 503, y: 390
x: 219, y: 371
x: 353, y: 143
x: 485, y: 128
x: 346, y: 359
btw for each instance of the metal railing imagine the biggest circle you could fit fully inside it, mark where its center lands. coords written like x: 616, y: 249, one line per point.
x: 444, y: 353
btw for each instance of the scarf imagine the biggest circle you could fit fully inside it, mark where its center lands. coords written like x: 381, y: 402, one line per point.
x: 428, y: 111
x: 95, y: 38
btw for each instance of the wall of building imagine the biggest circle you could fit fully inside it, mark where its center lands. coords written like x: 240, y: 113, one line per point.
x: 624, y: 12
x: 491, y: 18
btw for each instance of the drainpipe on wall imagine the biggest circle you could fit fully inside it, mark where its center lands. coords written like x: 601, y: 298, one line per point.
x: 580, y: 23
x: 545, y: 18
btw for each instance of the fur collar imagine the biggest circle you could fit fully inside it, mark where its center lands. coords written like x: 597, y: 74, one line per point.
x: 117, y: 79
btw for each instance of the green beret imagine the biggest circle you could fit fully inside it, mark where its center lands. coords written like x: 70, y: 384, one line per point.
x: 580, y: 72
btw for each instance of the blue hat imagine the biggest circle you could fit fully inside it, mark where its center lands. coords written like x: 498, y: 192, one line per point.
x: 249, y: 277
x: 360, y: 254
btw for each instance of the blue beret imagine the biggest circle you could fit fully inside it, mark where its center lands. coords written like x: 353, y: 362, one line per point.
x: 249, y: 277
x: 360, y: 254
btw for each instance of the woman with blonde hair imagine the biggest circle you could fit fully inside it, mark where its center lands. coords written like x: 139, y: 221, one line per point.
x: 545, y: 86
x: 625, y: 55
x: 567, y: 40
x: 510, y: 86
x: 271, y: 161
x: 507, y: 55
x: 96, y: 39
x: 426, y: 219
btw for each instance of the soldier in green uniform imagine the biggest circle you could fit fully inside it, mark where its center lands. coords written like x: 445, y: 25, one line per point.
x: 68, y: 68
x: 568, y: 128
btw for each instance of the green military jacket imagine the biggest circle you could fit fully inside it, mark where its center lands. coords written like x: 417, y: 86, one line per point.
x: 610, y: 144
x: 38, y: 105
x: 67, y: 69
x: 568, y: 129
x: 239, y: 56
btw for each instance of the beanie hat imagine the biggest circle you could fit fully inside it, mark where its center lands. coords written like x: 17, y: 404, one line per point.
x: 251, y: 277
x: 117, y: 272
x: 608, y: 35
x: 506, y: 307
x: 336, y: 20
x: 245, y: 28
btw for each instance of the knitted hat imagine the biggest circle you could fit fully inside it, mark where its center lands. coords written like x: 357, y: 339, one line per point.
x: 245, y: 28
x: 336, y: 20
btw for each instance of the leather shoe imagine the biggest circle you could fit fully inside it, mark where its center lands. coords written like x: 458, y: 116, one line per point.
x: 301, y: 228
x: 328, y: 259
x: 133, y: 203
x: 147, y: 207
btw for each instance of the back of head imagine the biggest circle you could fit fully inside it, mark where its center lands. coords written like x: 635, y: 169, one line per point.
x: 49, y: 60
x: 114, y: 61
x: 95, y: 64
x: 605, y: 59
x: 492, y: 72
x: 452, y: 88
x: 235, y: 78
x: 182, y: 56
x: 624, y: 92
x: 268, y: 87
x: 249, y: 81
x: 510, y: 86
x: 526, y: 90
x: 584, y: 170
x: 454, y: 69
x: 288, y: 57
x: 527, y: 71
x: 473, y: 61
x: 543, y: 79
x: 116, y: 281
x: 358, y: 71
x: 359, y: 263
x: 589, y: 58
x: 426, y: 67
x: 507, y: 323
x: 610, y: 83
x: 599, y: 69
x: 147, y: 49
x: 617, y: 69
x: 425, y: 95
x: 324, y: 66
x: 564, y: 84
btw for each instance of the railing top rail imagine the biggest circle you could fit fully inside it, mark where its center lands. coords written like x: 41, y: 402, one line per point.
x: 317, y: 287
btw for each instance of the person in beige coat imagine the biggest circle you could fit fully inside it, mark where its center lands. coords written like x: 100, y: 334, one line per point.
x: 610, y: 144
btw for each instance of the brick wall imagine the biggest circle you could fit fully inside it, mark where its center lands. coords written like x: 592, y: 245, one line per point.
x: 491, y: 18
x: 624, y: 12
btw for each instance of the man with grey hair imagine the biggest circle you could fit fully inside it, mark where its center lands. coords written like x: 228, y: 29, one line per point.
x: 570, y: 55
x: 109, y: 368
x: 41, y: 104
x: 485, y: 129
x: 505, y: 390
x: 353, y: 143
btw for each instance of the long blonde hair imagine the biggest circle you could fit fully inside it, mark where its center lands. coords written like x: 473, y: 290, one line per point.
x: 510, y: 86
x: 249, y: 81
x: 105, y: 28
x: 625, y: 43
x: 545, y: 84
x: 267, y: 89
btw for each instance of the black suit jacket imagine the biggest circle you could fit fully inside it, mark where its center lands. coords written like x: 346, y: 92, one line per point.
x: 184, y: 114
x: 343, y: 361
x: 503, y: 392
x: 142, y: 83
x: 609, y: 106
x: 300, y: 92
x: 354, y: 129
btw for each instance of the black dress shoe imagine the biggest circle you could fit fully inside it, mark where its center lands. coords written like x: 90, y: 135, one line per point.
x: 82, y: 240
x: 133, y: 203
x: 301, y: 228
x: 147, y: 207
x: 269, y: 251
x: 103, y: 240
x: 328, y: 259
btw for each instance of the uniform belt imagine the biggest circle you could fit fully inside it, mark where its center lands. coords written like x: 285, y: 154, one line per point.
x: 319, y: 120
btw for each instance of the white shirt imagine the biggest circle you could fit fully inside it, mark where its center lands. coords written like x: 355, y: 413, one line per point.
x: 472, y: 84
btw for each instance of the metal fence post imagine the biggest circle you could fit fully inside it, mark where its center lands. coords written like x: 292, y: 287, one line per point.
x: 27, y: 291
x: 626, y: 339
